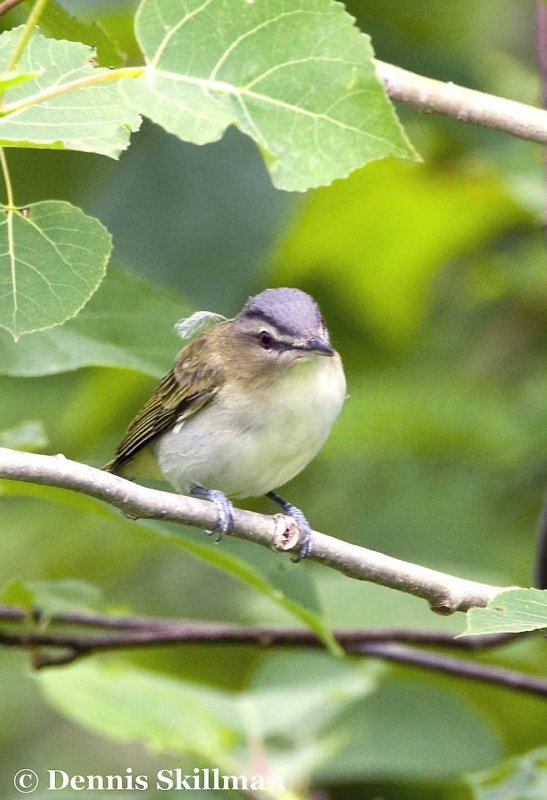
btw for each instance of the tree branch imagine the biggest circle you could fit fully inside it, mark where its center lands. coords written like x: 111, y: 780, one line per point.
x: 138, y: 631
x: 7, y: 5
x: 435, y: 662
x: 445, y: 593
x: 54, y: 648
x: 466, y: 105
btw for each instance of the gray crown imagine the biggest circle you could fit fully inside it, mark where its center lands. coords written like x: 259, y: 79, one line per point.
x: 290, y: 310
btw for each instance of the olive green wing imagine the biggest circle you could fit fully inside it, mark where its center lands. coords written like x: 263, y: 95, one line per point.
x: 181, y: 393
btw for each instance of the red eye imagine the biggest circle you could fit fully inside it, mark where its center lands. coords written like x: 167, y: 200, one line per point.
x: 266, y: 340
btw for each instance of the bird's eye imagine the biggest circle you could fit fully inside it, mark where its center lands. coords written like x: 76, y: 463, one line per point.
x: 266, y: 340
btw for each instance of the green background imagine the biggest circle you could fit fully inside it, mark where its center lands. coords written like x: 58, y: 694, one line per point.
x: 432, y: 280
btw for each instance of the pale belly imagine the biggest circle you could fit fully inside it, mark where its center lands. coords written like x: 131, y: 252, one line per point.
x: 246, y: 447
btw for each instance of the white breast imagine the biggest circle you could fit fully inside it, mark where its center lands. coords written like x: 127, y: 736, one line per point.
x: 247, y: 446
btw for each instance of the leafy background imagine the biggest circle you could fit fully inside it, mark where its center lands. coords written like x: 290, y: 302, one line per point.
x: 432, y: 278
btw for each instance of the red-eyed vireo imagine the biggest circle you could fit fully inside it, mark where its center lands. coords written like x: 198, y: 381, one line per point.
x: 246, y: 406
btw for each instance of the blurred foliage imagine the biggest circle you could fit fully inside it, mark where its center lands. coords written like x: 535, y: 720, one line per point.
x: 432, y: 279
x: 525, y: 778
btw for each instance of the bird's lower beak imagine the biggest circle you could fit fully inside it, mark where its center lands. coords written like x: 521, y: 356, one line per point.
x: 320, y: 346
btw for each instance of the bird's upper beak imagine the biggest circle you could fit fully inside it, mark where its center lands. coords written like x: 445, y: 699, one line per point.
x: 315, y: 344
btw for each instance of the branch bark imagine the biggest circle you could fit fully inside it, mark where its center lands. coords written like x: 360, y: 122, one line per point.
x: 7, y: 5
x: 445, y: 593
x: 53, y: 648
x: 466, y: 105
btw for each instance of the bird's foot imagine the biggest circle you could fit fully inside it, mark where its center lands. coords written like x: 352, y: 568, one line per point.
x: 300, y: 519
x: 225, y: 510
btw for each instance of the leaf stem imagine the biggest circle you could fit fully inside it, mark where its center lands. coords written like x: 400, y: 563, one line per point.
x: 81, y: 83
x: 7, y: 180
x: 30, y: 24
x: 10, y: 209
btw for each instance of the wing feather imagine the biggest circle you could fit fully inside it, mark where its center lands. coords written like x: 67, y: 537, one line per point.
x: 185, y: 389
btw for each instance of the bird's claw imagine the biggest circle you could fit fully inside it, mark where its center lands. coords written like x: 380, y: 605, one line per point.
x: 305, y: 530
x: 225, y: 510
x: 225, y: 514
x: 305, y: 533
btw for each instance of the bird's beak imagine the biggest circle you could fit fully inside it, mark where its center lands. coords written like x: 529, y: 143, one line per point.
x: 315, y: 344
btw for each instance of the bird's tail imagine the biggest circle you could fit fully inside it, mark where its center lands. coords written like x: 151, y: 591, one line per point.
x: 112, y: 466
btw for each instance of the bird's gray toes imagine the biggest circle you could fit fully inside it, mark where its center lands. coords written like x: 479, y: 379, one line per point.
x: 305, y: 531
x: 225, y: 514
x: 225, y: 510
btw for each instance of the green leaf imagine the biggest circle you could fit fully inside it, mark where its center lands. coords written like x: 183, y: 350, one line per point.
x: 170, y: 716
x: 511, y: 611
x: 400, y: 224
x: 29, y: 435
x: 184, y: 717
x: 127, y: 323
x: 57, y: 22
x: 522, y: 778
x: 67, y: 594
x: 53, y: 258
x: 94, y: 119
x: 297, y: 76
x: 17, y: 593
x: 53, y: 597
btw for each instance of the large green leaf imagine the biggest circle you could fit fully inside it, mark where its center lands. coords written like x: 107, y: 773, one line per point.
x: 95, y: 119
x: 127, y: 323
x: 295, y: 75
x: 52, y: 259
x: 169, y: 716
x: 283, y: 711
x: 512, y: 611
x: 57, y: 22
x: 522, y: 778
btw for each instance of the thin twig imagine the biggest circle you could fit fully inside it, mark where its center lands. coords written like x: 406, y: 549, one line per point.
x: 466, y: 105
x: 445, y: 593
x: 52, y: 648
x: 10, y: 201
x: 145, y: 631
x: 7, y: 5
x: 26, y: 33
x: 436, y: 662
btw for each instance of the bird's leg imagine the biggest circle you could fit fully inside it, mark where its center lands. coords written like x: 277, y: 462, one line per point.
x: 225, y: 510
x: 302, y: 522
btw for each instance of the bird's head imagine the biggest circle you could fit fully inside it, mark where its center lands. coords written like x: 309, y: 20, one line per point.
x: 282, y: 326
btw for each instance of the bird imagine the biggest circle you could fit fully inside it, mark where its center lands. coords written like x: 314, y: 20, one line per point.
x: 248, y: 403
